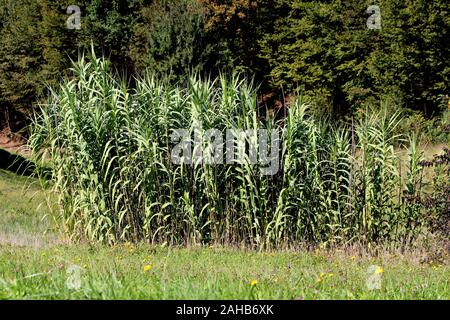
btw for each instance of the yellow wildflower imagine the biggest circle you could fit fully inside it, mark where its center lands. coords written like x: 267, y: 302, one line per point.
x: 323, y: 276
x: 379, y: 270
x: 147, y: 267
x: 254, y: 283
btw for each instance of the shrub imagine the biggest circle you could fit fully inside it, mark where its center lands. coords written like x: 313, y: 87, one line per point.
x: 110, y: 151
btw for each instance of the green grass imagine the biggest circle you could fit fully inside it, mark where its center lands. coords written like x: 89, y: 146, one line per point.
x: 199, y: 273
x: 23, y: 214
x: 40, y: 269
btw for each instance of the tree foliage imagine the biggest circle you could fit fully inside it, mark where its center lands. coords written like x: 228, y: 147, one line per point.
x: 326, y: 47
x: 168, y: 37
x: 323, y: 47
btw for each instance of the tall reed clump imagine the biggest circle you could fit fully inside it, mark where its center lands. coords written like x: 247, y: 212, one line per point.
x: 109, y: 148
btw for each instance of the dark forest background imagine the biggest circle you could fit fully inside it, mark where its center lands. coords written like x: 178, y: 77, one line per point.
x: 321, y: 49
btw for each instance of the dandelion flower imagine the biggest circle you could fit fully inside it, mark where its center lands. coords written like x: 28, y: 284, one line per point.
x: 321, y: 277
x: 379, y: 270
x: 147, y: 267
x: 254, y: 283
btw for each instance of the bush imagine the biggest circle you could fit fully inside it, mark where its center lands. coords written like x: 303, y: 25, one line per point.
x: 110, y: 150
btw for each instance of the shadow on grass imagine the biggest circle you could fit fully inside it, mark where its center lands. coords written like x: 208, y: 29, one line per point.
x: 16, y: 163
